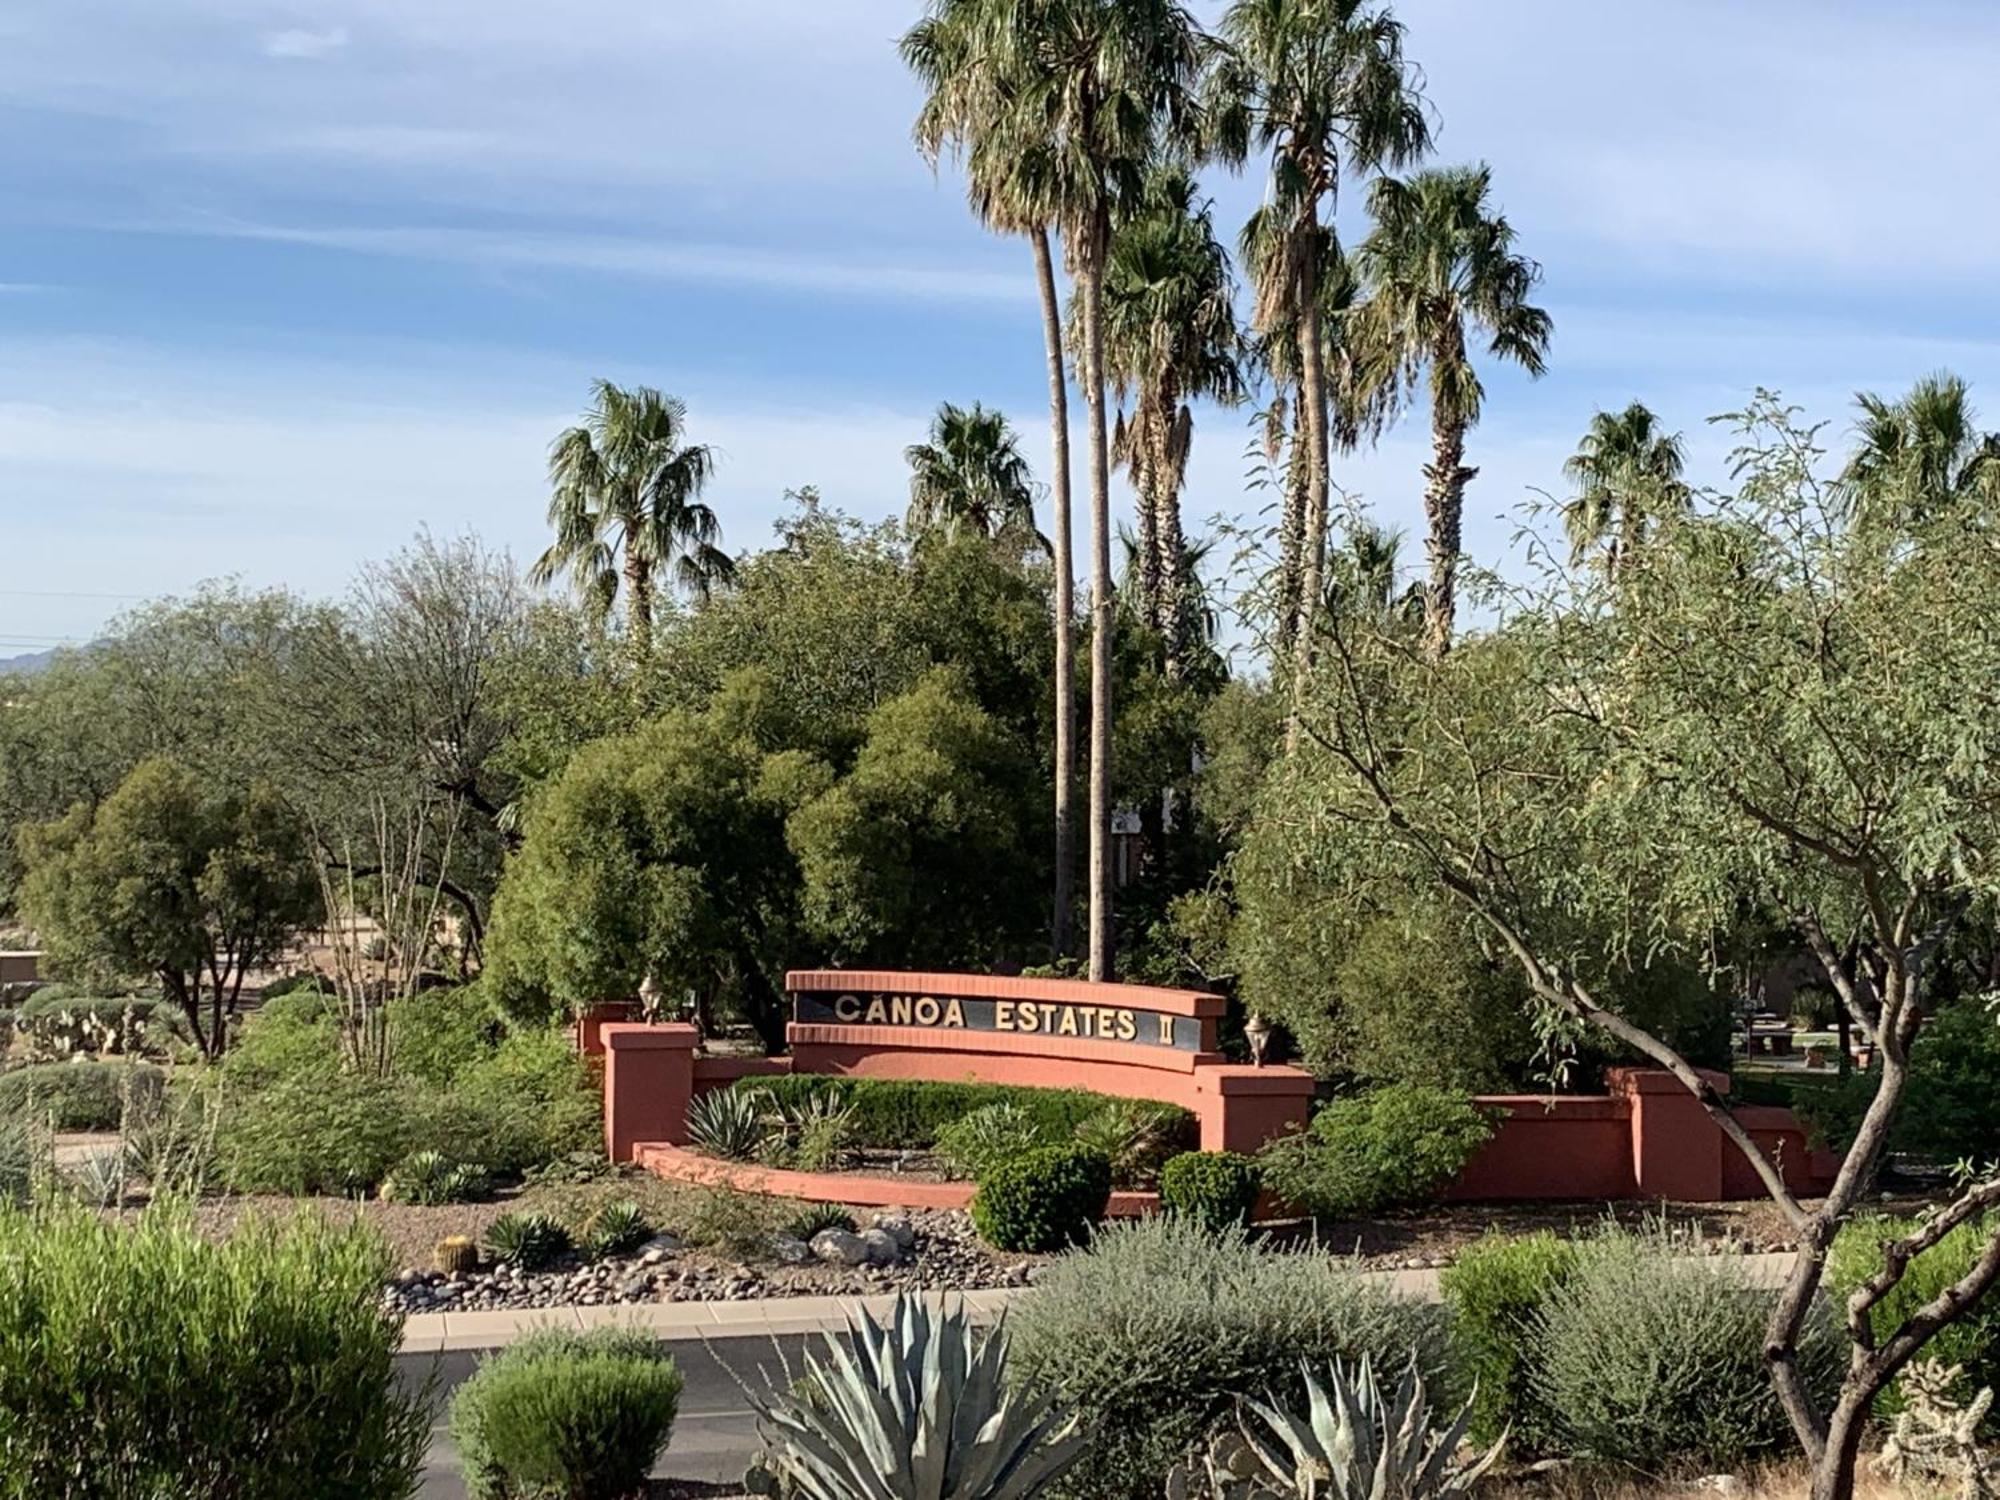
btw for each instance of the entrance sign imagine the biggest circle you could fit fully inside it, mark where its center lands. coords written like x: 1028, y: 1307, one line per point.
x: 1024, y: 1017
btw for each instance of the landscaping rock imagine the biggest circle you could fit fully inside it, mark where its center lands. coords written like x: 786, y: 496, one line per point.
x: 896, y: 1224
x: 789, y: 1251
x: 838, y: 1247
x: 881, y: 1247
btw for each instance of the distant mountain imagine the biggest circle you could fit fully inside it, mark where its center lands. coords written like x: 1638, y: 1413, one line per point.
x: 33, y: 661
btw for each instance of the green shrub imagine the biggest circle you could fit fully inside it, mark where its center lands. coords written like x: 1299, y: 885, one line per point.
x: 897, y: 1114
x: 1152, y: 1333
x: 1046, y: 1199
x: 1646, y: 1355
x: 532, y: 1098
x: 566, y: 1416
x: 973, y: 1146
x: 79, y: 1095
x: 17, y: 1161
x: 1495, y: 1291
x: 1972, y: 1343
x: 527, y: 1240
x: 321, y: 1131
x: 1215, y: 1189
x: 145, y: 1360
x: 1390, y: 1147
x: 436, y: 1034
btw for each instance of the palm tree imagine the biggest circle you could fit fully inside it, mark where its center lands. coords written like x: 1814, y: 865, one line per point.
x: 1439, y: 261
x: 970, y: 476
x: 1109, y: 86
x: 1323, y: 88
x: 1627, y: 474
x: 625, y: 508
x: 1916, y: 455
x: 1169, y: 337
x: 972, y: 106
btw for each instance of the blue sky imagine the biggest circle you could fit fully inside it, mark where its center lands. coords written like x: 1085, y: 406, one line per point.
x: 282, y: 281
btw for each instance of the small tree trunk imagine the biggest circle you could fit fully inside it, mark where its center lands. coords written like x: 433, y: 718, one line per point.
x: 1312, y: 532
x: 1169, y: 540
x: 1090, y: 277
x: 1833, y: 1468
x: 1065, y: 625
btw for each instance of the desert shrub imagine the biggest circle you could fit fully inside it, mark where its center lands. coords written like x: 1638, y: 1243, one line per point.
x: 1387, y: 1148
x: 1495, y: 1291
x: 431, y: 1177
x: 525, y: 1239
x: 17, y: 1161
x: 740, y: 1224
x: 79, y: 1095
x: 308, y: 982
x: 142, y: 1359
x: 1046, y: 1199
x: 617, y: 1228
x: 973, y: 1146
x: 288, y: 1036
x: 908, y: 1114
x: 326, y: 1130
x: 566, y: 1416
x: 1973, y: 1343
x: 1646, y: 1355
x: 1214, y: 1189
x: 435, y: 1034
x: 1152, y: 1332
x: 809, y: 1132
x: 531, y: 1099
x: 815, y: 1217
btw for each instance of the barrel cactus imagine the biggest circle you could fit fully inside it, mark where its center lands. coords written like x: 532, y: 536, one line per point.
x: 915, y: 1408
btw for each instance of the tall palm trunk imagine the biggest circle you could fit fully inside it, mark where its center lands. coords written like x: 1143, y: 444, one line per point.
x: 1312, y: 538
x: 1145, y: 485
x: 1445, y: 478
x: 1169, y: 540
x: 638, y: 604
x: 1090, y: 279
x: 1065, y: 568
x: 1291, y: 536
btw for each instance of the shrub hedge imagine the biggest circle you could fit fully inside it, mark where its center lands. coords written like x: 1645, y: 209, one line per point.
x: 1215, y: 1189
x: 907, y: 1114
x: 1495, y: 1290
x: 81, y: 1095
x: 1390, y: 1147
x: 573, y: 1416
x: 1152, y: 1333
x: 144, y: 1359
x: 1045, y: 1199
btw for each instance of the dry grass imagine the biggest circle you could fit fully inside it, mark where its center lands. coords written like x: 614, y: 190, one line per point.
x: 1778, y: 1482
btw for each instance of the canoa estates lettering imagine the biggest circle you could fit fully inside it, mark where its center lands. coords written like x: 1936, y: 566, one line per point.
x: 1040, y: 1018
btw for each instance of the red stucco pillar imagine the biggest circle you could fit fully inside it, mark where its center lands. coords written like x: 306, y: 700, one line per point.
x: 648, y: 1081
x: 1241, y: 1107
x: 1676, y: 1147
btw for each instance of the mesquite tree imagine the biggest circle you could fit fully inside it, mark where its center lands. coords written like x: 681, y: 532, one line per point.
x: 1787, y: 704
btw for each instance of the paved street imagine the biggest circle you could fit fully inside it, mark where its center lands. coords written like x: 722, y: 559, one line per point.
x: 714, y: 1435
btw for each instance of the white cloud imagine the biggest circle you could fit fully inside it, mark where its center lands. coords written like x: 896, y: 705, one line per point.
x: 744, y: 265
x: 296, y: 43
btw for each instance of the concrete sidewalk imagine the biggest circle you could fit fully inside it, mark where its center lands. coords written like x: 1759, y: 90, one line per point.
x: 434, y: 1333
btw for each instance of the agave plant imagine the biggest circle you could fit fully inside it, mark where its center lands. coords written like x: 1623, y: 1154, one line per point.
x: 727, y: 1123
x: 618, y: 1228
x: 915, y: 1408
x: 1352, y: 1444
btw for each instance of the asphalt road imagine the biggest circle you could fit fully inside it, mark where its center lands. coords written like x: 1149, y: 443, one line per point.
x: 715, y: 1435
